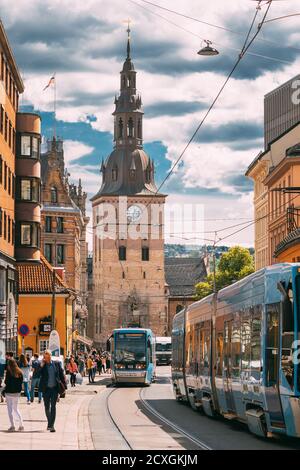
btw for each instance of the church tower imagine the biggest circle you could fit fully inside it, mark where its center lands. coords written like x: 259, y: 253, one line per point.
x: 128, y: 226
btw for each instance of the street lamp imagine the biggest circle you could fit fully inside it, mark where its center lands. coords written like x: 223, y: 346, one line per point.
x: 208, y: 50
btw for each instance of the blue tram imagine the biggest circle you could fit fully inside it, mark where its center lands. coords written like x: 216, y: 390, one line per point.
x: 235, y: 353
x: 132, y: 356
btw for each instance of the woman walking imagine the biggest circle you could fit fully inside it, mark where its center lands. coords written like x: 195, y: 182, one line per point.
x: 25, y: 368
x: 13, y: 386
x: 73, y: 369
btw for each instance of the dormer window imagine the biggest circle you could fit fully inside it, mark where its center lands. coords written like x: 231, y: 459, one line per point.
x: 53, y: 195
x: 114, y: 173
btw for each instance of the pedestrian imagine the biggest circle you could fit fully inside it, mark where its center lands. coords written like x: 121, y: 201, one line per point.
x: 99, y: 364
x: 13, y: 388
x: 52, y: 383
x: 89, y: 366
x: 94, y: 368
x: 25, y: 368
x: 35, y: 379
x: 81, y: 365
x: 2, y: 370
x: 108, y: 364
x: 103, y: 364
x: 73, y: 369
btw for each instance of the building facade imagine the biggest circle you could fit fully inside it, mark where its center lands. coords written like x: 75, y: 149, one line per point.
x: 11, y: 86
x: 128, y: 226
x: 63, y: 229
x: 276, y: 212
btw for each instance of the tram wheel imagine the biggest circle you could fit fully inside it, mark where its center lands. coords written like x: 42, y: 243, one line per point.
x: 192, y: 402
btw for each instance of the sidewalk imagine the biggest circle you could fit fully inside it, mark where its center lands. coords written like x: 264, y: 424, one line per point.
x: 72, y: 424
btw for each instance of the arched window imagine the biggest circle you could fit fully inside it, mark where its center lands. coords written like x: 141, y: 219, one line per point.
x: 179, y: 308
x: 114, y: 173
x: 148, y: 175
x: 130, y: 127
x: 139, y: 129
x: 129, y: 82
x: 124, y: 80
x: 53, y: 195
x: 120, y: 128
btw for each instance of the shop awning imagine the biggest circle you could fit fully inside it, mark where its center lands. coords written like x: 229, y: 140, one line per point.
x: 84, y: 340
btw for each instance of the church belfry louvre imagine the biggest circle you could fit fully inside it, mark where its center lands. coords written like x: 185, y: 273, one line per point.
x: 128, y: 226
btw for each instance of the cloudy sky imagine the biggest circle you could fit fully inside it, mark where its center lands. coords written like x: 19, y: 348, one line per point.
x: 85, y: 42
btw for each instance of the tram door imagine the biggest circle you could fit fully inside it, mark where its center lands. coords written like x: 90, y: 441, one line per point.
x: 227, y: 374
x: 272, y: 366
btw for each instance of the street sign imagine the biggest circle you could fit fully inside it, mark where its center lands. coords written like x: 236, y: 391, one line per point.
x: 54, y: 343
x: 24, y: 330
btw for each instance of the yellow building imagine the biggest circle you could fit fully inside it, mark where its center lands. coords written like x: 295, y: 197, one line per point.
x: 277, y: 214
x: 35, y: 303
x: 258, y: 171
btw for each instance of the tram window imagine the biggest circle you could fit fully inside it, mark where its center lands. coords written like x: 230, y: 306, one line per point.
x: 288, y: 336
x: 206, y: 350
x: 220, y: 346
x: 236, y: 347
x: 246, y: 342
x: 272, y: 344
x: 256, y: 347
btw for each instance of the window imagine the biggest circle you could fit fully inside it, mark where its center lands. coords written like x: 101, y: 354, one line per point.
x: 145, y: 253
x: 60, y: 254
x: 1, y: 218
x: 53, y: 195
x: 48, y: 252
x: 1, y: 170
x: 35, y: 147
x: 5, y: 176
x: 1, y: 119
x: 272, y: 344
x: 29, y: 190
x: 256, y: 326
x: 25, y: 190
x: 25, y: 145
x: 48, y: 224
x: 9, y: 182
x: 246, y: 340
x: 130, y: 127
x: 8, y: 229
x: 114, y: 173
x: 122, y: 253
x: 5, y: 226
x: 28, y: 234
x: 120, y: 128
x: 10, y: 134
x: 60, y: 224
x: 25, y: 234
x: 44, y: 344
x: 6, y: 127
x: 2, y: 285
x: 139, y: 129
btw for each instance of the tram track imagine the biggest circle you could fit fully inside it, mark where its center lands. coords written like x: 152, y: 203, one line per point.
x: 170, y: 424
x: 151, y: 413
x: 114, y: 421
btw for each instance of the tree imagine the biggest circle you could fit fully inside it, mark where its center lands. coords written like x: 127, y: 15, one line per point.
x: 234, y: 265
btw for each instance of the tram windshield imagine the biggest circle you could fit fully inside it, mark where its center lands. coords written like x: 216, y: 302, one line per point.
x: 130, y: 347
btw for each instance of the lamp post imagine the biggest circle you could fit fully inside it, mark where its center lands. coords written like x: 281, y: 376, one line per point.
x: 208, y: 50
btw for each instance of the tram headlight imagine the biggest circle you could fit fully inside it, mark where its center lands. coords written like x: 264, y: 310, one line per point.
x: 140, y: 366
x: 120, y: 366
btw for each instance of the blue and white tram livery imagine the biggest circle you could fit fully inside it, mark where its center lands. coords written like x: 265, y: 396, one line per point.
x: 235, y: 352
x: 133, y: 356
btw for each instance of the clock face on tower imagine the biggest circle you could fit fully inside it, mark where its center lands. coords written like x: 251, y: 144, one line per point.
x: 134, y: 213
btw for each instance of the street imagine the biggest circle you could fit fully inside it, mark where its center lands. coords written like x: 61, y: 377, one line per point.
x: 128, y: 418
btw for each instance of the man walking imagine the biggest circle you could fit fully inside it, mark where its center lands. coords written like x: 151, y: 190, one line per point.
x: 51, y: 378
x: 35, y: 380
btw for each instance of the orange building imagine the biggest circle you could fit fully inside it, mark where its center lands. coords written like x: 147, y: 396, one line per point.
x: 35, y: 304
x: 11, y: 86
